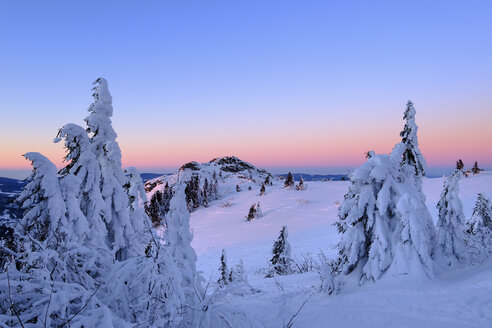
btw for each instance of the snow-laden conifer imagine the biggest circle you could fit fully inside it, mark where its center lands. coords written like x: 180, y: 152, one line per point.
x: 482, y: 215
x: 411, y: 155
x: 42, y: 232
x: 300, y: 186
x: 108, y: 155
x: 223, y: 271
x: 83, y: 164
x: 281, y: 262
x: 136, y: 199
x: 478, y: 238
x: 414, y: 234
x: 178, y: 238
x: 289, y: 181
x: 367, y: 216
x: 385, y: 224
x: 41, y: 287
x: 460, y: 165
x: 475, y: 169
x: 450, y: 225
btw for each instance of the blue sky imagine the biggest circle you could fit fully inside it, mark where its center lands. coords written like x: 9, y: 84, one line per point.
x: 193, y: 80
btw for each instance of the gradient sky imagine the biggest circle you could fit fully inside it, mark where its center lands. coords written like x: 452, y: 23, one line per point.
x: 306, y: 85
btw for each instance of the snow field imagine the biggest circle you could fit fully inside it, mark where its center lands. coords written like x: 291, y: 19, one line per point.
x: 461, y: 298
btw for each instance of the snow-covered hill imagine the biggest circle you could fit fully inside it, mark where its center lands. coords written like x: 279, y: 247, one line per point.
x: 461, y: 298
x: 229, y: 171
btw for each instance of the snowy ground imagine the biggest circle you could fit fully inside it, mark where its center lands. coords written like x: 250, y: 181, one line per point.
x: 455, y: 299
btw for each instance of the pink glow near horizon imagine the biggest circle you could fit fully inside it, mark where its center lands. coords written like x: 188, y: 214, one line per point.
x: 317, y: 144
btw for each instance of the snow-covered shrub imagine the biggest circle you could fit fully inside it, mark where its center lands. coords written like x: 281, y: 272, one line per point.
x: 328, y: 277
x: 306, y: 262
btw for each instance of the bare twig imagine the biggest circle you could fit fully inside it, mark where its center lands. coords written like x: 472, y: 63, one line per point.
x: 49, y: 303
x: 291, y: 321
x: 11, y: 303
x: 81, y: 309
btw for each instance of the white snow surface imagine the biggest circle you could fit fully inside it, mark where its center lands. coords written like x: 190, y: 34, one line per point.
x: 458, y: 298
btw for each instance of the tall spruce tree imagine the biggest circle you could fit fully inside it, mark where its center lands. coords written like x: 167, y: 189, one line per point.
x: 83, y: 164
x: 108, y: 154
x: 411, y: 156
x: 450, y: 225
x: 178, y: 237
x: 385, y: 224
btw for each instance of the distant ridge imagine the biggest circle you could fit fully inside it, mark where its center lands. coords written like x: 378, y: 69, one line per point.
x: 317, y: 177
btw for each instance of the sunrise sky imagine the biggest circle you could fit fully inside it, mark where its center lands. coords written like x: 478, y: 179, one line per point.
x: 286, y: 85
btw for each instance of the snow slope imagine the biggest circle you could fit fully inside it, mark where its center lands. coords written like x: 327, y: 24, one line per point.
x: 461, y: 298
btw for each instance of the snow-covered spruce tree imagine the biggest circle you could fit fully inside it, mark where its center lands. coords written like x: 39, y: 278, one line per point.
x: 193, y: 194
x: 478, y: 238
x: 482, y: 215
x: 262, y: 190
x: 460, y: 165
x: 366, y: 220
x: 411, y: 155
x: 415, y: 231
x: 289, y: 182
x: 36, y: 290
x: 252, y: 213
x: 450, y: 225
x: 136, y: 199
x: 300, y: 186
x: 108, y: 154
x: 205, y: 190
x: 385, y: 224
x: 223, y: 271
x: 158, y: 206
x: 281, y: 261
x: 178, y: 238
x: 475, y: 169
x: 155, y: 208
x: 42, y: 232
x: 83, y: 164
x: 414, y: 236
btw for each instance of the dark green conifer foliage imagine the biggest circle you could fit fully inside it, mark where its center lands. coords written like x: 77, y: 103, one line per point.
x: 289, y: 182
